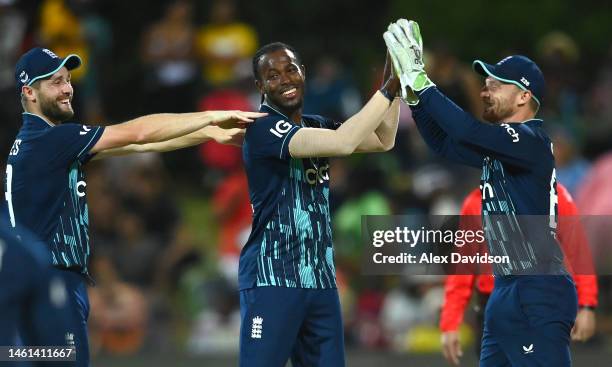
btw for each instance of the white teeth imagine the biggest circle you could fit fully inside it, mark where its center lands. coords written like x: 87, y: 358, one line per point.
x: 290, y: 91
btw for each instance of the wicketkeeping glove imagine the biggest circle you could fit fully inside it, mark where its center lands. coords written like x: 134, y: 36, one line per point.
x: 405, y: 46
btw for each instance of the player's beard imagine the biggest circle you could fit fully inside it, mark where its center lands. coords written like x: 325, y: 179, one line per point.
x: 287, y: 107
x: 498, y: 111
x: 50, y: 107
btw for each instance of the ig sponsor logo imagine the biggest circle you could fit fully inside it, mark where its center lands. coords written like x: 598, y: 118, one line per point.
x: 281, y: 128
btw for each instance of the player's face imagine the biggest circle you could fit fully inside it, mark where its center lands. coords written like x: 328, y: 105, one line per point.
x: 54, y: 96
x: 282, y: 80
x: 499, y: 100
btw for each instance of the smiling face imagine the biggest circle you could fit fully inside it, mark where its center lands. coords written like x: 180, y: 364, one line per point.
x: 281, y: 80
x: 500, y: 100
x: 53, y: 97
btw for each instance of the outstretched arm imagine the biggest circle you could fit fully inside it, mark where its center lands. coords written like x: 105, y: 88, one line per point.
x: 164, y: 127
x: 224, y: 136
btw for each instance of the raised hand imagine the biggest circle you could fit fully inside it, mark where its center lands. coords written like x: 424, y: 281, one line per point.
x: 391, y: 83
x: 405, y: 45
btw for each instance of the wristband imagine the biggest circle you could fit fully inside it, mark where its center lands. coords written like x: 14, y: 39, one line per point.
x: 387, y: 95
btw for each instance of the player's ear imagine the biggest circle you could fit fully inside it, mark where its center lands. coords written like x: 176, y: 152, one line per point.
x: 27, y: 92
x: 524, y: 97
x: 303, y: 71
x: 259, y: 86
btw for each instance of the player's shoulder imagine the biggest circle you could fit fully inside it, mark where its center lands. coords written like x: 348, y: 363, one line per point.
x: 532, y: 128
x: 319, y: 121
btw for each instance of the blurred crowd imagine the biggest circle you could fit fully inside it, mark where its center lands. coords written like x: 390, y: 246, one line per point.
x: 167, y: 229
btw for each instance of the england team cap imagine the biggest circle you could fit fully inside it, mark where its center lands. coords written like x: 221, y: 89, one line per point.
x: 518, y: 70
x: 40, y: 63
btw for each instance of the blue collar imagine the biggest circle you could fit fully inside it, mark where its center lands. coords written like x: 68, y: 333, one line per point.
x: 534, y: 122
x: 273, y: 111
x: 36, y: 121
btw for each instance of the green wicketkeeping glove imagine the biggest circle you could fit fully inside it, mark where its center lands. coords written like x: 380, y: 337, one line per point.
x: 405, y: 45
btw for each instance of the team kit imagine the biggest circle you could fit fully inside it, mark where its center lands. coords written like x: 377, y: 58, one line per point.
x: 289, y: 302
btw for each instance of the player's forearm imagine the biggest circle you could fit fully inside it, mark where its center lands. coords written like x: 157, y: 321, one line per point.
x: 194, y: 138
x: 457, y: 123
x: 191, y: 139
x: 432, y: 134
x: 387, y: 130
x: 165, y: 126
x: 312, y: 142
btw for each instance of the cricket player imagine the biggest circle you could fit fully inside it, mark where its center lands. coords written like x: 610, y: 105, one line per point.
x: 45, y: 187
x: 458, y: 287
x: 288, y: 297
x: 532, y: 309
x: 33, y: 297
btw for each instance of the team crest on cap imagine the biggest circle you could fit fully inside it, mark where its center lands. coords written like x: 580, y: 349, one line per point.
x: 50, y: 53
x: 24, y: 77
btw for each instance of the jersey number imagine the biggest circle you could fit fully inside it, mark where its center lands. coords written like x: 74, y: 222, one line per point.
x: 8, y: 194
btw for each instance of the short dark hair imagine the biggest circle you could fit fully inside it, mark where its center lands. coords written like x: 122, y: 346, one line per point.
x: 271, y: 47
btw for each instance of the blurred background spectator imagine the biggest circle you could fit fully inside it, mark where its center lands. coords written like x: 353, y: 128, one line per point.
x: 167, y: 229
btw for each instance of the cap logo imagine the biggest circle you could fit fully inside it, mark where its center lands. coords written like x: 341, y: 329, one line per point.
x: 525, y: 81
x: 504, y: 60
x: 50, y: 53
x: 24, y: 77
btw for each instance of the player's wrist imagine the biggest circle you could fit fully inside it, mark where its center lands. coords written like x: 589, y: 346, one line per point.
x: 387, y: 94
x: 587, y: 307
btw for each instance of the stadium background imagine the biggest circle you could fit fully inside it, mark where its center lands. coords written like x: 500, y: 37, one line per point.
x: 166, y: 228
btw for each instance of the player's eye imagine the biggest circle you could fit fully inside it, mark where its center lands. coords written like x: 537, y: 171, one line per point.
x: 273, y: 76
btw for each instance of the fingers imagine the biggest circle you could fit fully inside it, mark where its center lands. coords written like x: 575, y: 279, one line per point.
x: 392, y: 46
x: 451, y: 354
x: 577, y: 334
x: 412, y: 31
x: 399, y: 34
x: 248, y: 116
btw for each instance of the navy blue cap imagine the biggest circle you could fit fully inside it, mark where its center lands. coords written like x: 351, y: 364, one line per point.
x: 40, y: 63
x: 518, y: 70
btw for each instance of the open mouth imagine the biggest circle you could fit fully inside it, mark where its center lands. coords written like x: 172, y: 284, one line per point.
x: 290, y: 93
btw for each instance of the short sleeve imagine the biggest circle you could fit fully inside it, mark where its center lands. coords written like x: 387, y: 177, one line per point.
x: 269, y: 137
x: 67, y: 143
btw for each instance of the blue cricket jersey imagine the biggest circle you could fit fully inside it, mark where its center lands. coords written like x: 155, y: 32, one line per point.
x: 290, y: 244
x: 45, y: 187
x: 518, y: 184
x: 33, y: 298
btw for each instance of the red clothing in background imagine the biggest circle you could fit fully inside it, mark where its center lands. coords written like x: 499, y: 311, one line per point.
x: 458, y: 288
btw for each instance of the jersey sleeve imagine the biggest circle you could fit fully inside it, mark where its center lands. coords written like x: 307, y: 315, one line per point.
x: 574, y: 243
x: 269, y: 137
x: 67, y: 143
x: 439, y: 141
x: 457, y: 293
x: 330, y: 124
x: 511, y: 143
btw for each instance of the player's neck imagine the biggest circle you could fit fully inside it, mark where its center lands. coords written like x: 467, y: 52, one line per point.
x: 294, y: 115
x: 37, y: 112
x: 519, y: 116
